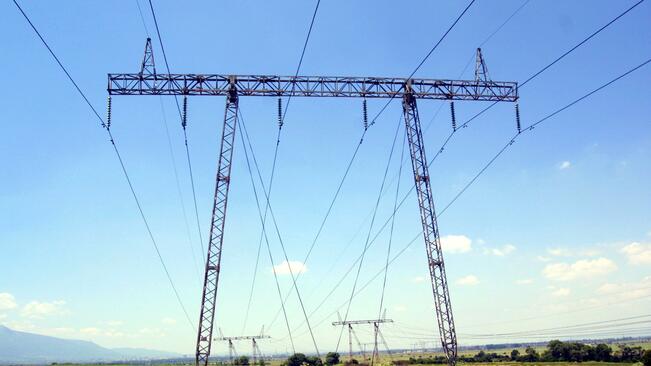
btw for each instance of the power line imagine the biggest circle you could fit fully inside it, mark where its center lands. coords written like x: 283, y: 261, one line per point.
x: 257, y: 201
x: 370, y: 229
x: 361, y: 140
x: 533, y: 125
x: 580, y: 325
x: 536, y: 74
x: 275, y: 156
x: 118, y: 155
x: 529, y: 128
x: 185, y: 135
x: 282, y: 245
x: 401, y: 160
x: 395, y: 203
x: 420, y: 64
x: 173, y: 163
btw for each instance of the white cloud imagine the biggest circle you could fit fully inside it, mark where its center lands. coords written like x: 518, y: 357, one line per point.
x: 152, y: 332
x: 559, y: 252
x: 638, y: 253
x: 561, y: 292
x: 456, y: 244
x: 469, y: 280
x: 400, y: 308
x: 626, y: 291
x: 62, y: 330
x: 584, y: 268
x: 37, y: 309
x: 168, y: 321
x: 113, y: 323
x: 564, y: 165
x: 91, y: 331
x: 500, y: 252
x: 3, y: 316
x: 524, y: 281
x: 7, y: 301
x: 295, y: 266
x: 418, y: 279
x: 543, y: 259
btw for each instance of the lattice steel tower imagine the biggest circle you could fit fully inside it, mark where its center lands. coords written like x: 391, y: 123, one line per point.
x: 148, y: 82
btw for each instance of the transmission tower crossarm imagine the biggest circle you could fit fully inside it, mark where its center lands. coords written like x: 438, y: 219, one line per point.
x: 430, y: 228
x: 369, y: 321
x: 309, y: 86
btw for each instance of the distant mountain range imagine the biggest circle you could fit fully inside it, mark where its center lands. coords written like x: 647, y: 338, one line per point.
x: 28, y: 348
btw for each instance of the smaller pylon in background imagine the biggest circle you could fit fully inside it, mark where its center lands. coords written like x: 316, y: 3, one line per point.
x: 255, y: 349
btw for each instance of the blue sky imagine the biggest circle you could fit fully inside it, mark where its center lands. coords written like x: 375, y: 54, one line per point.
x: 557, y: 232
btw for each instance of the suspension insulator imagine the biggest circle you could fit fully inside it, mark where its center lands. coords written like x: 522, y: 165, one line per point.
x: 108, y: 113
x: 517, y: 117
x: 184, y: 119
x: 454, y: 117
x: 365, y: 111
x: 280, y: 112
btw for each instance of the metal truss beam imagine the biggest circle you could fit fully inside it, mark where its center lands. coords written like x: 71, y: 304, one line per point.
x: 430, y: 228
x: 213, y: 261
x: 370, y: 321
x: 310, y: 86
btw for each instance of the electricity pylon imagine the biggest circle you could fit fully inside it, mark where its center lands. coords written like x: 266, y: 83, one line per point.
x: 409, y: 90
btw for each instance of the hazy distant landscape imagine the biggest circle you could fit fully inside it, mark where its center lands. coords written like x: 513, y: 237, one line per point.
x: 22, y: 348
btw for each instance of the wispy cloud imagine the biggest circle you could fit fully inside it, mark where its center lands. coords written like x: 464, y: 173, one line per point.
x: 418, y: 279
x: 559, y: 252
x: 561, y: 292
x: 284, y: 268
x: 501, y: 251
x: 564, y: 165
x: 168, y: 321
x: 524, y: 281
x: 37, y: 309
x: 91, y: 331
x: 581, y: 269
x: 7, y: 301
x: 626, y: 290
x: 469, y: 280
x: 638, y: 253
x: 456, y: 244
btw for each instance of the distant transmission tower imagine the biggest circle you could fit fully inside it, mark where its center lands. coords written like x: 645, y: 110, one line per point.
x: 255, y: 350
x: 376, y: 333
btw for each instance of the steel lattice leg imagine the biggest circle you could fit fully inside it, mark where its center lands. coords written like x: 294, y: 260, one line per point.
x: 211, y: 278
x: 430, y: 228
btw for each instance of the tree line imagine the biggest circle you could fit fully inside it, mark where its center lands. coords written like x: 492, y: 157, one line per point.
x: 557, y: 351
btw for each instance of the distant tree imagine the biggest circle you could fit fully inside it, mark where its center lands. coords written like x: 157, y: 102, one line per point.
x: 603, y: 352
x: 514, y: 355
x: 297, y: 359
x: 556, y: 350
x: 530, y: 355
x: 646, y: 358
x: 314, y: 361
x: 629, y: 354
x: 332, y: 358
x: 241, y: 361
